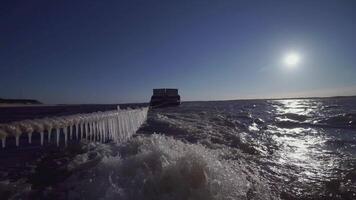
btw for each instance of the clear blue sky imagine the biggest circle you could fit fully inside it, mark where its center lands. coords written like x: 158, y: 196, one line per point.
x: 87, y: 51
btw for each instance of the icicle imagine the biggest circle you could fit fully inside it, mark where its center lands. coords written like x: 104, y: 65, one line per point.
x: 65, y: 131
x: 91, y: 131
x: 29, y: 137
x: 86, y: 125
x: 96, y: 136
x: 113, y: 130
x: 3, y: 142
x: 117, y: 128
x: 99, y: 131
x: 110, y: 128
x: 49, y: 134
x: 120, y: 127
x: 107, y: 127
x: 71, y: 131
x: 41, y: 133
x: 130, y: 123
x: 3, y: 136
x: 87, y: 130
x: 81, y: 130
x: 104, y: 127
x: 96, y: 131
x: 77, y: 130
x: 135, y: 119
x: 17, y: 140
x: 58, y: 132
x: 126, y: 125
x: 127, y: 129
x: 114, y: 124
x: 117, y: 125
x: 102, y: 131
x: 121, y: 124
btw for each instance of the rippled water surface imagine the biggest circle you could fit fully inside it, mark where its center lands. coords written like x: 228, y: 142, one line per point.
x: 253, y: 149
x: 305, y: 148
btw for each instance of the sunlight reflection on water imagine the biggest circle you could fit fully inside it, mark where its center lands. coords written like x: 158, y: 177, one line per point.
x: 305, y: 107
x: 302, y: 147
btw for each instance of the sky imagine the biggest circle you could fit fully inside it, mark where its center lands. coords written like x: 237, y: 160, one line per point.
x: 117, y: 51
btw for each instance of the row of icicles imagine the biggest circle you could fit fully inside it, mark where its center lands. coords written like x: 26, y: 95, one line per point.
x: 117, y: 125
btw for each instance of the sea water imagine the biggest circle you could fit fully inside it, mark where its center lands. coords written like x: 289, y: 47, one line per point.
x: 251, y: 149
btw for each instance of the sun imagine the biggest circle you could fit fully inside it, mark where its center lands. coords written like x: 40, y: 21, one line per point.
x: 291, y: 59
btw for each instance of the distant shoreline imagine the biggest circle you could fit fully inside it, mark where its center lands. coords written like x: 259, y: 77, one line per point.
x: 15, y: 102
x: 21, y: 105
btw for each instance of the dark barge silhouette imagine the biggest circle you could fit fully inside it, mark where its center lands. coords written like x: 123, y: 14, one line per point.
x: 164, y: 97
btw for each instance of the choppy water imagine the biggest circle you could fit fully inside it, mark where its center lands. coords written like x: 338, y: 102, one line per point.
x: 256, y: 149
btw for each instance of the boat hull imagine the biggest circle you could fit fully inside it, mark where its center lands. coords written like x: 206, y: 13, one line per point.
x: 164, y: 101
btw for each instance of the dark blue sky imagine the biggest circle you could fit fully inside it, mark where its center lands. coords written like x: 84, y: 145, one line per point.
x: 116, y: 51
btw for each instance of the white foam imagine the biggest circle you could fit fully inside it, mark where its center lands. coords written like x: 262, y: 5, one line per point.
x: 158, y: 167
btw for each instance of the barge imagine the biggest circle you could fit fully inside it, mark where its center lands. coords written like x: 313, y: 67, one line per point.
x: 164, y: 97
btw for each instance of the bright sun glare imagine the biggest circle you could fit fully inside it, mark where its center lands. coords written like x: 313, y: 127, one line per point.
x: 291, y: 59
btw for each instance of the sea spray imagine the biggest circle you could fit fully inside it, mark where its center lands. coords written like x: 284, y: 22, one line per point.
x: 159, y: 167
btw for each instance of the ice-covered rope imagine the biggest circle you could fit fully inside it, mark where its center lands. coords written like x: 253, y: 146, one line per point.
x: 117, y: 125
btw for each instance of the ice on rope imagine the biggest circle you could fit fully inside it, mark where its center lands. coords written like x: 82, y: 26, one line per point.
x: 117, y: 125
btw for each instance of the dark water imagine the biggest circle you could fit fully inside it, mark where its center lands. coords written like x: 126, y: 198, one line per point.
x: 260, y: 149
x: 304, y: 148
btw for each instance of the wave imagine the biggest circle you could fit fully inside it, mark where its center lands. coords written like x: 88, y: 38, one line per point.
x: 213, y: 131
x: 341, y: 143
x: 343, y: 121
x: 159, y: 167
x: 294, y: 116
x: 347, y: 120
